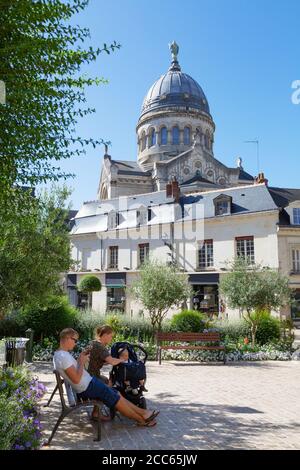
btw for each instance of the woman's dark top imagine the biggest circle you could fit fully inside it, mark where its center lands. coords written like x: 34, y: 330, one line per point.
x: 98, y: 355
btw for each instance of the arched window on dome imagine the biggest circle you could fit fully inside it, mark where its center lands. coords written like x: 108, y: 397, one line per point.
x: 175, y: 135
x: 152, y: 138
x: 187, y: 136
x: 143, y: 141
x: 163, y: 136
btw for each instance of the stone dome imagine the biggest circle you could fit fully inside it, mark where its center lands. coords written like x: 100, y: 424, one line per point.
x: 175, y: 89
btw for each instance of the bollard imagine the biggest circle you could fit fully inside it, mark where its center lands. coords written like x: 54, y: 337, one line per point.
x: 29, y: 334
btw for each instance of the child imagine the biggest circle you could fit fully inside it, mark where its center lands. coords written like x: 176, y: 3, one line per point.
x: 134, y: 373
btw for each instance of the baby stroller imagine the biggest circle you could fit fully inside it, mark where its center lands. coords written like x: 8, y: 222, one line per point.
x: 122, y: 372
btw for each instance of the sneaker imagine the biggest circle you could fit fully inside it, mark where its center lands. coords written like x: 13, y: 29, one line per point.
x: 134, y: 391
x: 143, y: 388
x: 128, y: 389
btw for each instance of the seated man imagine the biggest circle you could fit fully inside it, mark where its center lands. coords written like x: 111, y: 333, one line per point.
x: 88, y: 387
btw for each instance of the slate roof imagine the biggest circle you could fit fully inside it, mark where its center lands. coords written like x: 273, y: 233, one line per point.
x: 129, y: 168
x: 92, y: 217
x: 284, y: 196
x: 249, y: 199
x: 197, y: 182
x: 245, y: 176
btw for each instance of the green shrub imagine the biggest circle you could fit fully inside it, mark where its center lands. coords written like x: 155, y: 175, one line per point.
x: 89, y: 283
x: 232, y: 330
x: 134, y: 327
x: 11, y: 417
x: 189, y: 320
x: 86, y: 321
x: 268, y: 328
x: 12, y: 325
x: 49, y: 318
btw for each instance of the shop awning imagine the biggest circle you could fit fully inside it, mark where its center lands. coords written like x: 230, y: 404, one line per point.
x: 115, y: 280
x: 207, y: 278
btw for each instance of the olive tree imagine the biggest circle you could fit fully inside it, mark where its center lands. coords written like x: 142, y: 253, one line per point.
x: 254, y: 290
x: 159, y: 288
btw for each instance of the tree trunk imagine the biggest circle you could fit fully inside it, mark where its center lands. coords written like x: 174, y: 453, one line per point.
x: 253, y: 334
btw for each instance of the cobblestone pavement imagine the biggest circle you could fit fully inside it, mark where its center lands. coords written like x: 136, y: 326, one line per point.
x: 237, y: 406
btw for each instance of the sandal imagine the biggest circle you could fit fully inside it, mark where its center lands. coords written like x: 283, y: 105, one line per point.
x: 152, y: 416
x: 147, y: 424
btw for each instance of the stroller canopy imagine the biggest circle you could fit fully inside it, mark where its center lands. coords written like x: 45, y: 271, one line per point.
x: 123, y: 345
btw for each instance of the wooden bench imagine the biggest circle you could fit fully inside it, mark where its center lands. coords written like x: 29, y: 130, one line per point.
x: 74, y: 403
x: 208, y: 337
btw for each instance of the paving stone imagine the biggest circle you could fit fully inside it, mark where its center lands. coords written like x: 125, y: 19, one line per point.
x: 251, y: 405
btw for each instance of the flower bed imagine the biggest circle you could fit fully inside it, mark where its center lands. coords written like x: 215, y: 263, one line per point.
x: 19, y: 412
x: 234, y: 352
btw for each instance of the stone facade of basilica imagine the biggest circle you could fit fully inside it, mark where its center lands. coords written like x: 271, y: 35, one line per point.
x: 177, y: 181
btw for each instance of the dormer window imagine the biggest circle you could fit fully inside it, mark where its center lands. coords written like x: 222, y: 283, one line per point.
x: 223, y: 205
x: 141, y: 216
x: 296, y: 216
x: 113, y: 220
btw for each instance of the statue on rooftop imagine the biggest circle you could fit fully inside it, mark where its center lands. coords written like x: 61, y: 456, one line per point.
x: 174, y: 48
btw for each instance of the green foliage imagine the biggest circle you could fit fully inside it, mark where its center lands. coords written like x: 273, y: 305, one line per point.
x: 232, y: 330
x: 41, y: 63
x: 159, y: 288
x: 287, y: 334
x: 11, y: 421
x: 86, y: 322
x: 254, y: 289
x: 34, y: 249
x: 50, y: 317
x: 189, y: 320
x: 89, y: 283
x: 115, y: 322
x: 12, y: 325
x: 268, y: 328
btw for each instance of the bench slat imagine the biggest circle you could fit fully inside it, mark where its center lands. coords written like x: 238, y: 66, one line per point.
x: 187, y: 336
x: 208, y: 337
x: 193, y: 347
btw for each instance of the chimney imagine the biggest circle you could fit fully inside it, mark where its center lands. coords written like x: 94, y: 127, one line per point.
x: 173, y: 190
x: 169, y: 189
x: 261, y: 179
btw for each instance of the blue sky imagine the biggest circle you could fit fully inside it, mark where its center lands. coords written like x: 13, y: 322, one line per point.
x: 243, y: 53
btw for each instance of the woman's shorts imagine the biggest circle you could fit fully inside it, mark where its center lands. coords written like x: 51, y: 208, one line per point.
x: 99, y: 391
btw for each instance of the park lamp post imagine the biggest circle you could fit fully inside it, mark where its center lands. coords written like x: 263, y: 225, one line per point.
x: 2, y: 92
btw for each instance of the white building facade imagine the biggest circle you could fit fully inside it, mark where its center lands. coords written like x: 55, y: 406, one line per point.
x: 181, y: 205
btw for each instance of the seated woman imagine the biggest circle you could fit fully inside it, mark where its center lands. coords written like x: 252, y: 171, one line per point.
x: 132, y: 373
x: 88, y: 387
x: 99, y: 354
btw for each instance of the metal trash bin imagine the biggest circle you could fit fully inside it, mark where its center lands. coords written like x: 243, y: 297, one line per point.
x: 15, y: 350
